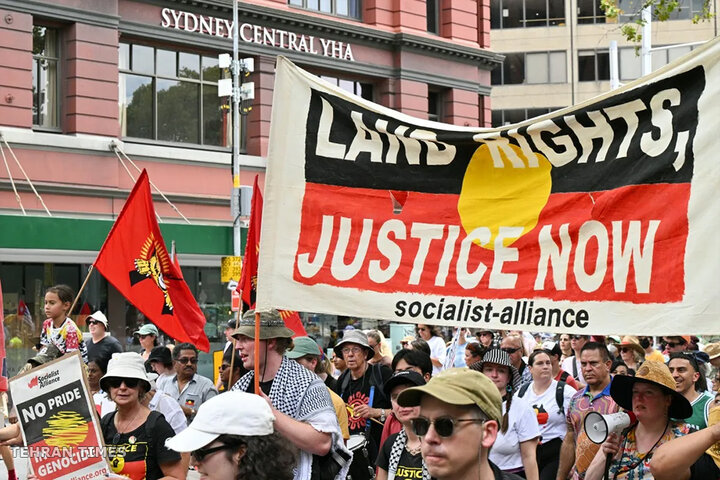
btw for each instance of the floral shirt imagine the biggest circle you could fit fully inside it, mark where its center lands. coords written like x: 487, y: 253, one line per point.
x: 633, y: 465
x: 67, y: 337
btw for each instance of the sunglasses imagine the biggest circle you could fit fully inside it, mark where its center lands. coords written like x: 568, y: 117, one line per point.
x: 624, y: 349
x: 577, y: 337
x: 93, y: 322
x: 186, y: 360
x: 421, y: 329
x: 115, y: 382
x: 200, y: 454
x: 509, y: 350
x: 444, y: 426
x: 673, y: 344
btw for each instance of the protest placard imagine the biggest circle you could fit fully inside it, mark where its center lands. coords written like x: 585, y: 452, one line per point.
x: 55, y: 413
x: 600, y: 217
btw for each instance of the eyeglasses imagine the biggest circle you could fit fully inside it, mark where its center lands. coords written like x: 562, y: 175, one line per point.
x: 353, y: 350
x: 200, y: 454
x: 421, y: 329
x: 444, y: 426
x: 509, y: 350
x: 186, y: 360
x: 115, y: 382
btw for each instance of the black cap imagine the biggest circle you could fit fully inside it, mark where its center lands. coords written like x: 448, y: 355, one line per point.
x: 231, y: 323
x: 160, y: 354
x: 403, y: 377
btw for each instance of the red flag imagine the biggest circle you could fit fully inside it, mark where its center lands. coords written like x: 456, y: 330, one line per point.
x: 293, y: 322
x: 248, y: 276
x: 135, y: 261
x: 3, y: 374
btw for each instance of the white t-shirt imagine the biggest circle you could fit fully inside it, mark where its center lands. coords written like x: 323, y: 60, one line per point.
x: 551, y: 420
x: 567, y: 365
x: 437, y: 350
x: 169, y: 407
x: 522, y: 426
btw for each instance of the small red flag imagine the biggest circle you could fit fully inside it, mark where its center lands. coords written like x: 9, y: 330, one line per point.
x: 248, y: 276
x: 3, y: 373
x: 135, y: 261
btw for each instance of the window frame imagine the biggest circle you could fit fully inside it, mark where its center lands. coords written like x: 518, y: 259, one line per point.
x: 435, y: 11
x: 56, y: 125
x: 524, y: 56
x: 155, y: 77
x: 598, y: 15
x: 306, y: 5
x: 523, y: 21
x: 503, y: 111
x: 595, y: 53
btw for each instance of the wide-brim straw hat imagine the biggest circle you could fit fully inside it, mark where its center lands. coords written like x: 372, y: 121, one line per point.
x: 713, y: 350
x: 271, y: 325
x: 653, y: 373
x: 357, y: 337
x: 500, y: 357
x: 631, y: 341
x: 125, y: 365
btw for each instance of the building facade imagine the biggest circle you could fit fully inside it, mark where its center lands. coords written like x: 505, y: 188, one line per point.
x: 91, y: 90
x: 557, y: 51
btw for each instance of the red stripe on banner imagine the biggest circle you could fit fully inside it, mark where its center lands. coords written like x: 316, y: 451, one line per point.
x: 626, y: 244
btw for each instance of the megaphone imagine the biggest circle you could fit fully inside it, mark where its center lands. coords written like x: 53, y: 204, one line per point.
x: 598, y: 426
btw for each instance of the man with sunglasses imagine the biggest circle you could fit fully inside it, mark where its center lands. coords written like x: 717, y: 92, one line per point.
x: 690, y: 383
x: 675, y: 343
x: 101, y: 345
x: 572, y: 364
x: 513, y: 346
x: 460, y: 410
x: 188, y: 388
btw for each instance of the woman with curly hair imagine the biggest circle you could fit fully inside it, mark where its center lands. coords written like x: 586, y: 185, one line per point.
x: 232, y: 437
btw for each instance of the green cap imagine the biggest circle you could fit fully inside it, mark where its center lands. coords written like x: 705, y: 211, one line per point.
x: 272, y: 325
x: 458, y: 386
x: 303, y: 346
x: 147, y: 329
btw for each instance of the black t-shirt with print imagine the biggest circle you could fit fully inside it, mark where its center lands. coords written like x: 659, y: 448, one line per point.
x: 136, y: 454
x: 358, y: 392
x: 409, y: 465
x: 103, y: 349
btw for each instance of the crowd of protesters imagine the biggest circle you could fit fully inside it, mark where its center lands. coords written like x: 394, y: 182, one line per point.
x: 467, y: 404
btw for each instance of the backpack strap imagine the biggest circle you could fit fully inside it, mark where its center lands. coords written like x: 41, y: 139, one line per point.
x: 560, y: 395
x: 564, y: 376
x: 523, y: 389
x: 344, y: 381
x: 575, y: 372
x: 377, y: 380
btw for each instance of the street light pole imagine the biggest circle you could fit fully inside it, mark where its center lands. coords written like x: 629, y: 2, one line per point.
x: 235, y: 198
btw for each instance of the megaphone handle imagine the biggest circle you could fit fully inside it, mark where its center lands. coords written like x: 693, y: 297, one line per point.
x: 608, y: 461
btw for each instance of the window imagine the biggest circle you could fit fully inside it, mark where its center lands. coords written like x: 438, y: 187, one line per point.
x: 531, y: 68
x: 630, y: 62
x: 364, y: 90
x: 45, y: 84
x: 593, y: 66
x: 435, y: 106
x: 343, y: 8
x: 686, y: 10
x: 589, y: 11
x: 526, y: 13
x: 507, y: 117
x: 172, y: 96
x: 432, y: 12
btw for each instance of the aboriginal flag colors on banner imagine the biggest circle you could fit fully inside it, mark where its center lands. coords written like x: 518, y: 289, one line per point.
x: 248, y: 277
x: 135, y: 261
x: 599, y: 218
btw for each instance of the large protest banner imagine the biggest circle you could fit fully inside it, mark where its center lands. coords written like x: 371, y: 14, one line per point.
x: 55, y: 415
x: 599, y: 218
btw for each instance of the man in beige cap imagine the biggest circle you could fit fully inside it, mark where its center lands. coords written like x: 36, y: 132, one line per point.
x: 300, y: 402
x: 460, y: 410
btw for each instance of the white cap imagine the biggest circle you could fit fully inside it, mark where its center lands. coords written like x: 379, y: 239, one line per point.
x: 100, y: 317
x: 230, y: 413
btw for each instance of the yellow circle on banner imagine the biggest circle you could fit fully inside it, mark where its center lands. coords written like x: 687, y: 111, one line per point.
x: 503, y: 196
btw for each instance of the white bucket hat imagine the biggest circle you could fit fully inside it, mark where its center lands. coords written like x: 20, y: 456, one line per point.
x: 100, y: 317
x: 125, y: 365
x: 230, y: 413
